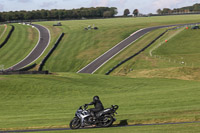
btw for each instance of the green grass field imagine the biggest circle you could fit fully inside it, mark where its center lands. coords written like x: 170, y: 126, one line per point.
x: 79, y: 47
x: 22, y: 41
x: 43, y: 101
x: 154, y: 87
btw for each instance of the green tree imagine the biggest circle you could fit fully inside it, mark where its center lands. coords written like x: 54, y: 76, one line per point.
x: 107, y: 14
x: 196, y: 7
x: 126, y: 12
x: 136, y: 12
x: 59, y: 14
x: 166, y: 11
x: 159, y: 11
x: 29, y: 15
x: 113, y: 11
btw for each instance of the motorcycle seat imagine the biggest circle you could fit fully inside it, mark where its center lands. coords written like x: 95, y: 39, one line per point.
x: 102, y: 112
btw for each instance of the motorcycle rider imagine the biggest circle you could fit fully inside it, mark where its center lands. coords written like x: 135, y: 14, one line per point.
x: 98, y: 106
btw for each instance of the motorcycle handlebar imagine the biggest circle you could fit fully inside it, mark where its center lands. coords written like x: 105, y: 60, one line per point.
x: 115, y: 107
x: 85, y: 106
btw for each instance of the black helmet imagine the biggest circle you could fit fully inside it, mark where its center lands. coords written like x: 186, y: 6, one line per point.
x: 95, y: 98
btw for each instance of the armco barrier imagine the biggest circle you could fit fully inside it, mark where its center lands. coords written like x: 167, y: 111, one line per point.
x: 22, y: 72
x: 173, y: 14
x: 7, y: 38
x: 50, y: 52
x: 111, y: 70
x: 28, y: 67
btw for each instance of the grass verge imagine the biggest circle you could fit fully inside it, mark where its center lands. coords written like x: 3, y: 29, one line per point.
x: 35, y: 101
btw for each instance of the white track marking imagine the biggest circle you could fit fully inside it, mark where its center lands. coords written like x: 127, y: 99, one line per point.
x: 34, y: 48
x: 3, y: 32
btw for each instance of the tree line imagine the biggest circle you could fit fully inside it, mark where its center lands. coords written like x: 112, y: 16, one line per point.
x: 59, y: 14
x: 189, y: 9
x: 127, y: 12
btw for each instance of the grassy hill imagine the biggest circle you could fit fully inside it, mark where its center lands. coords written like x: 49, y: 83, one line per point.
x: 38, y: 101
x: 178, y: 58
x: 154, y: 87
x: 22, y: 41
x: 79, y: 47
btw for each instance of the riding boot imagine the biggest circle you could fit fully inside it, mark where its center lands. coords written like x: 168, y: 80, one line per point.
x: 93, y: 116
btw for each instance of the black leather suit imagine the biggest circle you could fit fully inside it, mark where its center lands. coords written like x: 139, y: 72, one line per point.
x: 98, y: 107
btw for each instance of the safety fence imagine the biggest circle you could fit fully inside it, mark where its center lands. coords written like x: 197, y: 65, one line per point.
x: 180, y: 61
x: 50, y: 52
x: 22, y: 72
x: 173, y: 14
x: 8, y: 36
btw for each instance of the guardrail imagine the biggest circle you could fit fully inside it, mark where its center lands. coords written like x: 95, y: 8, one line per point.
x: 171, y: 14
x: 8, y: 36
x: 28, y: 67
x: 22, y: 72
x: 50, y: 52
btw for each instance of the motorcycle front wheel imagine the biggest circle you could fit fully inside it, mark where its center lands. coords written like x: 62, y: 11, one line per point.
x: 107, y: 121
x: 75, y: 123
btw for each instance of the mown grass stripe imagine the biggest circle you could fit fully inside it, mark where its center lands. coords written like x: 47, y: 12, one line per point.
x: 18, y: 46
x: 48, y: 100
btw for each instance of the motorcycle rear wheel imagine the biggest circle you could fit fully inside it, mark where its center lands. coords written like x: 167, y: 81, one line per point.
x: 107, y: 121
x: 75, y: 123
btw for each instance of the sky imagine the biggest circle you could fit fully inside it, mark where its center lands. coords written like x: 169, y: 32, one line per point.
x: 144, y: 6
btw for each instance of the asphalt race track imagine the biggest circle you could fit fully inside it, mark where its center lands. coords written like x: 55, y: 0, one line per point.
x: 100, y: 61
x: 65, y: 129
x: 44, y: 40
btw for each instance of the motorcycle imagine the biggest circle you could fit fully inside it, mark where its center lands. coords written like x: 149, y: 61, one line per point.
x: 83, y: 117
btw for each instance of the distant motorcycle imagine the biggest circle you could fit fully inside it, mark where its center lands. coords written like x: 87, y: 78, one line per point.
x: 83, y: 117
